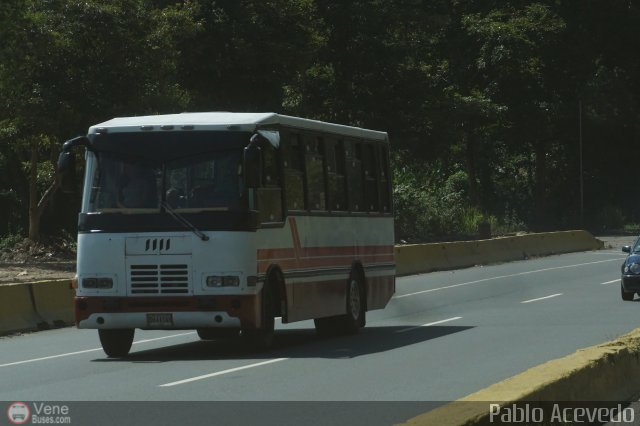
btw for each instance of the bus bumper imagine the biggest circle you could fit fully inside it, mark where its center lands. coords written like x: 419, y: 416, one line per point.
x: 167, y: 313
x: 163, y: 321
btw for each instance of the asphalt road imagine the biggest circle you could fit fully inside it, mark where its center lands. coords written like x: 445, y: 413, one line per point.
x: 443, y: 336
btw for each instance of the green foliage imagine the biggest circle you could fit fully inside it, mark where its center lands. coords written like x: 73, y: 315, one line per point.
x: 480, y: 97
x: 69, y: 241
x: 470, y: 220
x: 9, y: 241
x: 611, y: 217
x: 633, y: 228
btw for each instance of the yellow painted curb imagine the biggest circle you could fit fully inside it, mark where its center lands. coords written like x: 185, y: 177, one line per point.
x: 54, y: 301
x: 420, y: 258
x: 16, y: 308
x: 605, y: 372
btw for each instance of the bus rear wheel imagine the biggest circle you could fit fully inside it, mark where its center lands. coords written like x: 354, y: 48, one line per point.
x: 355, y: 317
x: 116, y: 342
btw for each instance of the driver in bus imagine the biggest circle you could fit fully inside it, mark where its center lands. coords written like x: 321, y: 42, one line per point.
x: 137, y: 188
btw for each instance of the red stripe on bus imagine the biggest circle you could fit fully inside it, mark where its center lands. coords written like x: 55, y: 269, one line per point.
x: 276, y: 253
x: 325, y: 262
x: 284, y: 253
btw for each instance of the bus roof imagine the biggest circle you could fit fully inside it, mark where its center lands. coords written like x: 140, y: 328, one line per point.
x: 240, y: 121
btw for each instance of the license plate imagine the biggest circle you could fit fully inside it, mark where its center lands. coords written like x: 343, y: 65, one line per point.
x: 160, y: 320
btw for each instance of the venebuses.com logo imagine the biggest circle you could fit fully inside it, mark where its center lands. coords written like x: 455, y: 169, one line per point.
x: 18, y: 413
x: 36, y: 412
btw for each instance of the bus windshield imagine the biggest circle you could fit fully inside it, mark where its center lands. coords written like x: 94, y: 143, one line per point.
x: 209, y: 181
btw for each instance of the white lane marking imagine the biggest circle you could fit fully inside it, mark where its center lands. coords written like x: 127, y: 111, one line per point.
x: 502, y: 277
x: 219, y: 373
x: 429, y: 324
x: 542, y: 298
x: 611, y: 282
x: 26, y: 361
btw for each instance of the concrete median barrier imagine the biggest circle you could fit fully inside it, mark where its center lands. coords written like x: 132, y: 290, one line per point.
x: 419, y: 258
x: 54, y: 301
x: 17, y: 311
x: 601, y: 373
x: 37, y: 305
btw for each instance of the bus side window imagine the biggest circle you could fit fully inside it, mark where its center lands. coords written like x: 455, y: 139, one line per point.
x: 294, y: 172
x: 370, y: 177
x: 385, y: 180
x: 336, y: 176
x: 271, y: 177
x: 315, y: 172
x: 270, y: 194
x: 354, y: 173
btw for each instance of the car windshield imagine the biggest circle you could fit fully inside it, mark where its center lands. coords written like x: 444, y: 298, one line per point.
x: 205, y: 182
x: 636, y: 246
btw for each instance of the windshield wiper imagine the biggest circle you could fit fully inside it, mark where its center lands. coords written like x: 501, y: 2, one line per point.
x: 177, y: 216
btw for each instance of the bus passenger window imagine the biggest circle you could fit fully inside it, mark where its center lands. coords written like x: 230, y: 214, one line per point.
x: 385, y: 182
x: 354, y: 173
x: 336, y: 175
x: 269, y: 196
x: 294, y: 173
x: 370, y: 178
x: 269, y: 202
x: 270, y: 177
x: 315, y: 173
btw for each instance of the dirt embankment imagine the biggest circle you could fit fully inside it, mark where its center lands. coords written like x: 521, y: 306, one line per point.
x: 28, y: 262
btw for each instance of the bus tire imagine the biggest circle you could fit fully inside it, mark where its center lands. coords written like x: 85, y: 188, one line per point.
x: 217, y: 333
x: 262, y: 338
x: 355, y: 316
x: 116, y: 342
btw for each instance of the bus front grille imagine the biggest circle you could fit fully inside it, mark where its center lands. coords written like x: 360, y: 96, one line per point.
x: 159, y: 279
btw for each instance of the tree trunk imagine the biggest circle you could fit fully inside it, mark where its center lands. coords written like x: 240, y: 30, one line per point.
x: 36, y: 207
x: 34, y: 217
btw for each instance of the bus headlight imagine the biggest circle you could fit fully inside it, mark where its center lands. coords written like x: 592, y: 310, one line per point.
x: 223, y: 281
x: 102, y: 282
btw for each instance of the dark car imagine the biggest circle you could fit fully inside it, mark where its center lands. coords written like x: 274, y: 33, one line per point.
x: 630, y: 282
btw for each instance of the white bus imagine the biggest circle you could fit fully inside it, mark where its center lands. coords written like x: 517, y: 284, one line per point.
x: 222, y: 222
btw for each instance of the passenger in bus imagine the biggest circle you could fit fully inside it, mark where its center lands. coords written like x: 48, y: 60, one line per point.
x: 137, y: 188
x: 223, y: 192
x: 106, y: 193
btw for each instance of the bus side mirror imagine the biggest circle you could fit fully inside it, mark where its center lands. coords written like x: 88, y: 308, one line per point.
x: 252, y: 162
x: 66, y: 166
x: 67, y: 171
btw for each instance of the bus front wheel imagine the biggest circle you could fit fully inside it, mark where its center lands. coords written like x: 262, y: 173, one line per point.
x: 262, y: 338
x: 116, y: 342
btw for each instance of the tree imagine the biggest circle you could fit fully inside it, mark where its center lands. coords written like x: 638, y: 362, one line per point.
x: 516, y: 50
x: 247, y: 52
x: 69, y: 64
